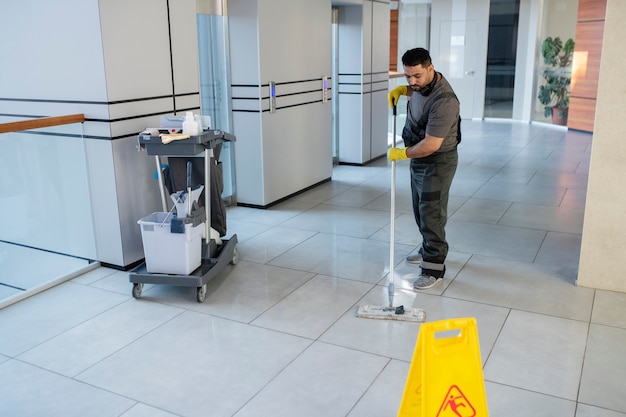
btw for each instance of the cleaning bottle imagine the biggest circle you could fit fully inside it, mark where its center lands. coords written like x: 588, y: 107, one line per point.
x: 190, y: 126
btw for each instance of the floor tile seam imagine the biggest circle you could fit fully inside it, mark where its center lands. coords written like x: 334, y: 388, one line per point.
x: 335, y: 233
x: 610, y: 326
x: 354, y: 207
x: 512, y: 308
x: 510, y: 204
x: 75, y: 325
x: 270, y: 380
x: 555, y: 230
x: 390, y: 358
x: 538, y: 251
x: 75, y: 378
x: 318, y: 337
x: 495, y: 340
x: 584, y: 354
x: 511, y: 227
x: 268, y: 262
x: 532, y: 392
x: 620, y: 412
x: 135, y: 339
x: 313, y: 276
x: 370, y: 386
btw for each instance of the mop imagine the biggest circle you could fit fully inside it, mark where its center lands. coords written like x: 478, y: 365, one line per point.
x: 390, y: 312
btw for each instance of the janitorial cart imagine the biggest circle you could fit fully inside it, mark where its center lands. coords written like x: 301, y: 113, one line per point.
x: 181, y: 247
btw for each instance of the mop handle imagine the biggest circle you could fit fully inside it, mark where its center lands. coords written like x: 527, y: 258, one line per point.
x: 393, y: 218
x: 189, y: 202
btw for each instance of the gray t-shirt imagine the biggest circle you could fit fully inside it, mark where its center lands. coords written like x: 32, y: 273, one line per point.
x: 443, y: 116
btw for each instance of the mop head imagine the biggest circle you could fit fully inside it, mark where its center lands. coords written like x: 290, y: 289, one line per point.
x: 391, y: 313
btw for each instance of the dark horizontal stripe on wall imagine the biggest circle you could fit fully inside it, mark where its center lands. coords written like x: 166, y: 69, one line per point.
x: 246, y: 111
x: 246, y: 85
x: 121, y: 119
x: 299, y: 92
x: 2, y: 284
x: 380, y: 89
x: 296, y: 82
x: 351, y: 92
x: 356, y: 74
x: 245, y: 98
x: 295, y: 105
x: 76, y: 136
x: 294, y: 94
x: 284, y: 198
x: 340, y: 83
x: 29, y: 116
x: 133, y: 100
x: 140, y: 116
x: 37, y: 100
x: 63, y: 135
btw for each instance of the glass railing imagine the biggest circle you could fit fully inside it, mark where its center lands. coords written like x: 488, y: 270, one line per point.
x: 46, y: 220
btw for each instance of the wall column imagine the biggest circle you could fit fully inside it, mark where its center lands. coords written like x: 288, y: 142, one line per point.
x: 604, y: 229
x: 122, y: 64
x: 363, y: 81
x: 283, y: 144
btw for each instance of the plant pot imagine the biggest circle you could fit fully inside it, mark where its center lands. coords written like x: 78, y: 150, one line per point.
x: 559, y: 116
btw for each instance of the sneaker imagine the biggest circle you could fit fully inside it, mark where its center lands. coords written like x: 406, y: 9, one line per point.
x: 426, y: 281
x: 414, y: 259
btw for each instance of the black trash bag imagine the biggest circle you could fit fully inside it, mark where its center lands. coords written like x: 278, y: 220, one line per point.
x: 176, y: 180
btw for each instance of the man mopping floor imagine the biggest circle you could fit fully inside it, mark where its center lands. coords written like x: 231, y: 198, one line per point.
x: 431, y: 134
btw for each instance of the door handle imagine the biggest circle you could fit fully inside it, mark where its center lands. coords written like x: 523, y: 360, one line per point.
x: 469, y: 72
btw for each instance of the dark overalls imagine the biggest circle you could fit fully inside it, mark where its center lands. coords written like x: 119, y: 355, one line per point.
x: 431, y: 176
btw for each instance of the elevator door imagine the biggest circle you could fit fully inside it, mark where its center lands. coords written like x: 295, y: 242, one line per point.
x: 457, y: 60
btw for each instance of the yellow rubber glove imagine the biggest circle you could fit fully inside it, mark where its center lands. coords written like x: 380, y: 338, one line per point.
x: 397, y: 153
x: 394, y: 95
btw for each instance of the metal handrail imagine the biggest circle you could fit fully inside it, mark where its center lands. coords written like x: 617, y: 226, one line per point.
x: 41, y: 122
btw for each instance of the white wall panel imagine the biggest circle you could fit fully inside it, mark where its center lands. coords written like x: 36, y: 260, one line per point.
x: 248, y: 157
x: 350, y: 40
x: 244, y: 42
x: 380, y: 38
x: 137, y: 194
x: 184, y: 47
x: 48, y: 53
x: 297, y: 147
x: 366, y: 36
x: 136, y: 48
x: 104, y: 201
x: 350, y: 128
x: 380, y: 120
x: 294, y: 39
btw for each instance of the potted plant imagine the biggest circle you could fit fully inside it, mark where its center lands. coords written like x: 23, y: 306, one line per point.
x: 554, y: 94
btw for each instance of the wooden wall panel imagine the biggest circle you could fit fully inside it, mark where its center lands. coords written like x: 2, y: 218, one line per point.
x: 590, y: 10
x: 581, y: 114
x: 586, y: 67
x: 393, y: 41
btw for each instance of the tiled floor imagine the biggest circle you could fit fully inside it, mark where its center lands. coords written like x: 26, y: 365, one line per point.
x: 277, y: 335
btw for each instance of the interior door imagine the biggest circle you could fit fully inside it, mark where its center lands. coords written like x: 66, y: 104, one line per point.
x: 457, y: 60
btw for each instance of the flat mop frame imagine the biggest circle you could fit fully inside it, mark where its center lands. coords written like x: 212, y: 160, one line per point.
x: 391, y: 312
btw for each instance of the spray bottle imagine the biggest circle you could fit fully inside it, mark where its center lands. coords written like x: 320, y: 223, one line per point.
x: 190, y: 126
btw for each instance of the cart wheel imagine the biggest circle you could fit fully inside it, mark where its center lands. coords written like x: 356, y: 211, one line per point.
x: 137, y: 290
x: 235, y: 256
x: 201, y: 293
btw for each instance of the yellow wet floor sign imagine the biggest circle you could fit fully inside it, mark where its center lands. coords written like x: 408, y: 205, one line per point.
x: 446, y: 376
